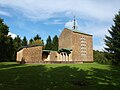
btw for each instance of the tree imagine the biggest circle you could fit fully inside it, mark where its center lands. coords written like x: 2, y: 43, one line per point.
x: 6, y: 43
x: 4, y: 29
x: 36, y: 40
x: 30, y: 41
x: 37, y: 37
x: 11, y: 50
x: 24, y: 41
x: 48, y: 45
x: 17, y: 42
x: 113, y: 41
x: 55, y: 43
x: 99, y: 57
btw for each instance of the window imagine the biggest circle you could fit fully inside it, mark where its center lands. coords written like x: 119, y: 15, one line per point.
x: 83, y: 53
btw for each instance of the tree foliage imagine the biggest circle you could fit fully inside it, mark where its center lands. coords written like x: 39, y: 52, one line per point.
x: 30, y: 41
x: 52, y: 44
x: 6, y: 43
x: 48, y: 45
x: 55, y: 43
x: 99, y: 57
x: 113, y: 41
x: 37, y: 37
x: 24, y: 41
x: 36, y: 40
x: 17, y: 42
x: 4, y: 29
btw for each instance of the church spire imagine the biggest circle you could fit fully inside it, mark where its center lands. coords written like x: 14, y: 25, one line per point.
x: 74, y: 24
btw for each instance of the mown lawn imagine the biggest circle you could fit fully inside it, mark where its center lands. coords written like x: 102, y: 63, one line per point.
x: 88, y: 76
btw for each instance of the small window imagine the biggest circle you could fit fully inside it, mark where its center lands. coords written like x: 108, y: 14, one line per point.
x: 83, y: 53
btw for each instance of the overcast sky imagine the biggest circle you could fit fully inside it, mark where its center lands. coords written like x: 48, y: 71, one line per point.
x: 49, y: 17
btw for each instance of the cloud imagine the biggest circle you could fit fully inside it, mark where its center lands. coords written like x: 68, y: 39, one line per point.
x: 70, y: 24
x: 60, y: 30
x: 91, y: 27
x: 4, y: 13
x: 96, y: 31
x: 44, y: 9
x: 55, y: 22
x: 12, y: 35
x: 94, y: 16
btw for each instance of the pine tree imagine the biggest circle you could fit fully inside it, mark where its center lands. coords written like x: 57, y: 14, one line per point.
x: 37, y: 37
x: 48, y: 45
x: 30, y: 41
x: 24, y: 41
x: 113, y: 41
x: 36, y: 40
x: 17, y: 42
x: 55, y: 43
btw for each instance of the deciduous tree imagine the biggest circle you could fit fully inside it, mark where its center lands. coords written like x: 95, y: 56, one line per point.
x: 6, y: 43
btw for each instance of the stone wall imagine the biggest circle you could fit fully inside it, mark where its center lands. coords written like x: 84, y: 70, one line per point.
x: 30, y: 54
x: 33, y: 54
x: 76, y: 47
x: 90, y: 49
x: 53, y: 56
x: 80, y: 43
x: 82, y: 47
x: 19, y: 55
x: 65, y: 39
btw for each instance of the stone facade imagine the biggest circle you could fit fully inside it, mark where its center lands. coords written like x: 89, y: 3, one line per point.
x: 80, y: 43
x: 30, y: 54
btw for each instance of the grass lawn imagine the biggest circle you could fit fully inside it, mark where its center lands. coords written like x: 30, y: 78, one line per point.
x: 88, y: 76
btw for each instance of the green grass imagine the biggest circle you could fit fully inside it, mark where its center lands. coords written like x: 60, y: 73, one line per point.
x: 88, y: 76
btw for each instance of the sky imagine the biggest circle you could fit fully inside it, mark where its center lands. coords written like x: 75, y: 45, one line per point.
x: 50, y: 17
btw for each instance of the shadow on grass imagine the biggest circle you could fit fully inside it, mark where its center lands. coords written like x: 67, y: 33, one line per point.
x: 45, y: 77
x: 8, y: 65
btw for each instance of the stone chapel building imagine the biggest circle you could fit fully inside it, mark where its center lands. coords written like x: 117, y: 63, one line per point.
x: 74, y: 47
